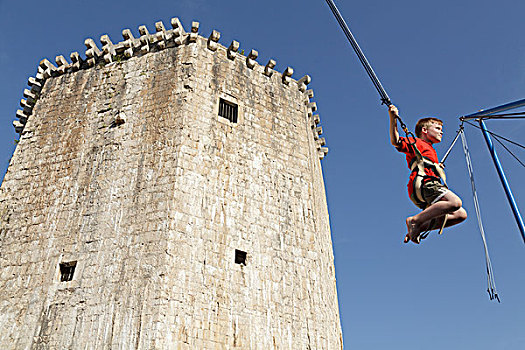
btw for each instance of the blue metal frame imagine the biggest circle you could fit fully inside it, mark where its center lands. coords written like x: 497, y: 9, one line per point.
x: 505, y: 107
x: 501, y: 173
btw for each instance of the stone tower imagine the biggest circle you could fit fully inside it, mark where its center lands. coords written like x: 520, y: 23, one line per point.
x: 166, y: 193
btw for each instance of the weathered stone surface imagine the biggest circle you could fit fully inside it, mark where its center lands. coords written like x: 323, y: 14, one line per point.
x: 153, y: 208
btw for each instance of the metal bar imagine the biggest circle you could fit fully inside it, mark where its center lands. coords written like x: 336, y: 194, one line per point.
x: 503, y: 179
x: 452, y: 145
x: 505, y: 107
x: 382, y: 93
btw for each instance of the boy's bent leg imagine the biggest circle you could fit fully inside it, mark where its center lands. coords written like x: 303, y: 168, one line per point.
x: 449, y: 203
x: 452, y: 219
x: 456, y: 217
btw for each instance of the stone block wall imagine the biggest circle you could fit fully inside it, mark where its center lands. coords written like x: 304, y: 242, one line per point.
x: 125, y: 170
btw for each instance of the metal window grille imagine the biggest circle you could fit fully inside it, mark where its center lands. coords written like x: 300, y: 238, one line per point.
x: 228, y: 110
x: 240, y: 257
x: 67, y: 270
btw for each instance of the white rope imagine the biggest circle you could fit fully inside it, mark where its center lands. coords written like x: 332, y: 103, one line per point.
x: 493, y: 293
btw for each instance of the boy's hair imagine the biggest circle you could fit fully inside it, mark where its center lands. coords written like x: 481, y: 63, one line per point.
x: 425, y: 123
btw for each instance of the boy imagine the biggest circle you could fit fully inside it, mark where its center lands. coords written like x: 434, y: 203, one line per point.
x: 424, y: 187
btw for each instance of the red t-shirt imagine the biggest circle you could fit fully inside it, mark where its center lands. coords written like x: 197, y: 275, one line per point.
x: 426, y: 150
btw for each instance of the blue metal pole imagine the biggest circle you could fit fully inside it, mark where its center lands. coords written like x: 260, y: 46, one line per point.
x: 503, y: 179
x: 505, y: 107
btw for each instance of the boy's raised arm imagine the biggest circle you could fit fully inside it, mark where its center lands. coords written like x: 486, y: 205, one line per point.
x: 394, y: 134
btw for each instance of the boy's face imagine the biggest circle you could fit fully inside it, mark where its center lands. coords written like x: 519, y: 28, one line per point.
x: 433, y: 133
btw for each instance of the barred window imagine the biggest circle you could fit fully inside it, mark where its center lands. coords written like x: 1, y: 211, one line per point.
x: 67, y: 270
x: 240, y: 257
x: 228, y: 110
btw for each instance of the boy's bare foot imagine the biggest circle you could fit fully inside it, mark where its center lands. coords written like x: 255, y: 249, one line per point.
x: 413, y: 230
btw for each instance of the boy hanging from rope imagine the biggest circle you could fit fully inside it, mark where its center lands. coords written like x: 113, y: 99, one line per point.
x: 441, y: 207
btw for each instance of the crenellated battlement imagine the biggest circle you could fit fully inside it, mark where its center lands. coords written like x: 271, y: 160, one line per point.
x: 146, y: 43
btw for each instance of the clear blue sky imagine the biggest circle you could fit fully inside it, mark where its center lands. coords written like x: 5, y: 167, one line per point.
x: 445, y: 58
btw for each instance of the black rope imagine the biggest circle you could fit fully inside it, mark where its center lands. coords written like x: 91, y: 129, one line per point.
x: 382, y: 93
x: 405, y: 129
x: 497, y: 138
x: 496, y: 135
x: 508, y: 150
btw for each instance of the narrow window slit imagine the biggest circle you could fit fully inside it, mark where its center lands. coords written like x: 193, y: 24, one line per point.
x: 228, y: 110
x: 240, y: 257
x: 67, y: 270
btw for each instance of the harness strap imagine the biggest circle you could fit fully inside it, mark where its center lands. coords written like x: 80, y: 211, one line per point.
x: 419, y: 163
x: 443, y: 224
x: 427, y: 163
x: 417, y: 194
x: 425, y: 234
